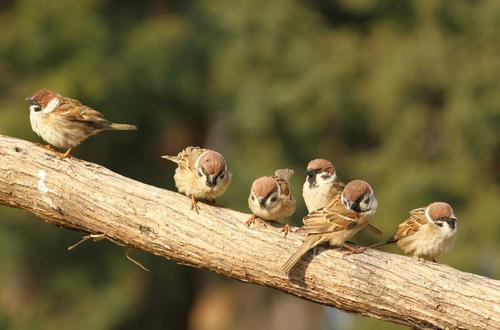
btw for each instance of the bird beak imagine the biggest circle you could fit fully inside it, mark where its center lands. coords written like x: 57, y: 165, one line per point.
x: 262, y: 202
x: 452, y: 223
x: 311, y: 178
x: 29, y: 100
x: 352, y: 205
x: 211, y: 181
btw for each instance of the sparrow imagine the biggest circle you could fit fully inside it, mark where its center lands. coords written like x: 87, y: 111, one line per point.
x: 343, y: 217
x: 322, y: 185
x: 200, y: 174
x: 428, y: 233
x: 64, y: 123
x: 271, y: 198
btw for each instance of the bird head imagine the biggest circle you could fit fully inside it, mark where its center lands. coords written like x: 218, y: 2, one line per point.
x: 441, y: 214
x: 320, y: 172
x: 358, y: 196
x: 265, y: 192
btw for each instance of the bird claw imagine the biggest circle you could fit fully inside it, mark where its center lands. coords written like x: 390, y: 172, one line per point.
x: 254, y: 219
x: 286, y: 229
x: 67, y: 154
x: 194, y: 205
x: 354, y: 249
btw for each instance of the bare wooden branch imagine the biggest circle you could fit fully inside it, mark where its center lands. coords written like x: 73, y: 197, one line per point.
x: 76, y: 194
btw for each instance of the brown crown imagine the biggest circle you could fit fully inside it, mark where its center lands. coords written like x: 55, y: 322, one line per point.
x: 356, y: 189
x: 321, y: 165
x: 43, y: 97
x: 440, y: 210
x: 264, y: 186
x: 212, y: 163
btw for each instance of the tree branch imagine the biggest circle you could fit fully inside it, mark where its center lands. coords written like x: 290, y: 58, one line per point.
x: 75, y: 194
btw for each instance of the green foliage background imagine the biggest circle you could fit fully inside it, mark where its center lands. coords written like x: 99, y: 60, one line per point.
x: 404, y: 94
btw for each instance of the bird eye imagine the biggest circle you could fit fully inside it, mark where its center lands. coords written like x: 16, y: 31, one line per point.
x: 200, y: 174
x: 253, y: 198
x: 273, y: 199
x: 222, y: 176
x: 35, y: 107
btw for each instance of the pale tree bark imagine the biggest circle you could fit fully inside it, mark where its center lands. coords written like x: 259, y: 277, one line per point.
x: 79, y: 195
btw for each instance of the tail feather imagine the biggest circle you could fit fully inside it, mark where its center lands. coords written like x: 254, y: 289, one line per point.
x: 122, y: 127
x: 309, y: 243
x: 374, y: 229
x: 171, y: 158
x: 284, y: 173
x: 389, y: 241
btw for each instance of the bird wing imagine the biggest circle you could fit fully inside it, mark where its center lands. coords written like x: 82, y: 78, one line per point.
x: 339, y: 185
x: 283, y: 176
x: 333, y: 217
x: 412, y: 224
x: 74, y: 110
x: 187, y: 158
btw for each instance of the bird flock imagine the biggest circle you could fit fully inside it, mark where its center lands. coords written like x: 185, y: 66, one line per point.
x: 337, y: 211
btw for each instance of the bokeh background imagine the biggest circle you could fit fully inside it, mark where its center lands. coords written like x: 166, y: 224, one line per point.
x: 404, y: 94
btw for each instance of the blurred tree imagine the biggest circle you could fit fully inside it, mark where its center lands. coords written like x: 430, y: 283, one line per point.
x: 402, y: 94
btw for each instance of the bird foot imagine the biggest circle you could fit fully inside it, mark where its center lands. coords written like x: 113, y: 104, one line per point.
x: 67, y: 154
x: 253, y: 219
x: 286, y: 229
x: 194, y: 205
x: 353, y: 249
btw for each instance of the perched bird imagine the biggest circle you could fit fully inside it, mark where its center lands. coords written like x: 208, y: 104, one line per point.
x: 428, y: 233
x: 64, y: 122
x: 200, y: 174
x: 321, y: 184
x: 271, y: 198
x: 343, y: 217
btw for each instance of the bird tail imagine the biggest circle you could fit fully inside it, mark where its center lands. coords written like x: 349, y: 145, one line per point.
x: 122, y: 127
x: 308, y: 244
x: 389, y: 241
x: 171, y: 158
x: 284, y: 174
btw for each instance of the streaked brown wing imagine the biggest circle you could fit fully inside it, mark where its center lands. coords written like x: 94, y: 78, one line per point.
x: 412, y: 224
x: 187, y: 157
x: 282, y: 176
x: 335, y: 209
x: 339, y: 185
x: 73, y: 110
x: 333, y: 217
x: 286, y: 191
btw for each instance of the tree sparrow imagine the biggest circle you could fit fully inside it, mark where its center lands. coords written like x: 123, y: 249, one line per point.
x: 64, y: 122
x: 271, y: 198
x: 200, y: 174
x: 343, y: 217
x: 428, y: 233
x: 321, y: 184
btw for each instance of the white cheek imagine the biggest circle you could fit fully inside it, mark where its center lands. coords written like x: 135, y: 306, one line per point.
x: 53, y: 104
x: 324, y: 181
